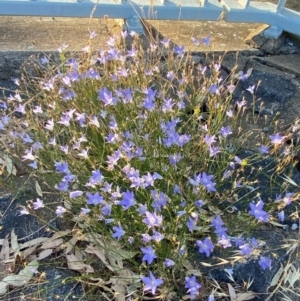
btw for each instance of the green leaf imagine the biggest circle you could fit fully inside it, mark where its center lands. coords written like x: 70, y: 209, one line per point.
x: 22, y: 278
x: 8, y: 164
x: 14, y: 243
x: 38, y: 189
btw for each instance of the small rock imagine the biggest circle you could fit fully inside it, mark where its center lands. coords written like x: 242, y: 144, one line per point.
x: 196, y: 59
x: 5, y: 74
x: 234, y: 61
x: 257, y: 39
x: 287, y: 49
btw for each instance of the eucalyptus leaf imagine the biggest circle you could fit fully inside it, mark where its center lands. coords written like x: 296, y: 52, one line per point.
x: 20, y: 279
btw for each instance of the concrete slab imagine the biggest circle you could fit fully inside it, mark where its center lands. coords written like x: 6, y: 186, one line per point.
x: 21, y: 37
x: 223, y: 36
x: 46, y: 34
x: 288, y: 63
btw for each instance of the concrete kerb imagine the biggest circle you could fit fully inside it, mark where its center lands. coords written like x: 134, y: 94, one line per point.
x: 32, y: 33
x: 20, y: 36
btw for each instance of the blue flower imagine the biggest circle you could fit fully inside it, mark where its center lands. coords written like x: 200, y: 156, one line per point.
x: 199, y: 203
x: 281, y: 216
x: 62, y: 167
x: 192, y: 285
x: 169, y: 263
x: 179, y: 50
x: 192, y: 223
x: 149, y: 254
x: 263, y: 149
x: 239, y: 241
x: 128, y: 200
x: 206, y: 41
x: 151, y: 283
x: 276, y: 139
x: 195, y: 41
x: 157, y: 237
x: 246, y: 249
x: 206, y: 181
x: 119, y: 232
x: 258, y: 212
x: 225, y: 131
x: 165, y: 42
x: 265, y: 262
x: 206, y: 246
x: 152, y: 219
x: 75, y: 194
x: 38, y: 204
x: 94, y: 199
x: 225, y: 242
x: 217, y: 221
x: 105, y: 96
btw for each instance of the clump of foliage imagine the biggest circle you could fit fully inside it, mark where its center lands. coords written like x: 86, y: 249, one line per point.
x: 144, y: 147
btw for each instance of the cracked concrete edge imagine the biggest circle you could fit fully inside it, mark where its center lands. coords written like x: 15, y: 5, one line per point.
x: 35, y: 43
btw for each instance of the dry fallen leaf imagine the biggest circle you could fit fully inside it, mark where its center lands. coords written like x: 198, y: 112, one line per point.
x: 60, y: 234
x: 245, y: 296
x: 232, y: 292
x: 94, y: 238
x: 115, y: 251
x: 276, y: 224
x: 4, y: 254
x: 214, y: 210
x: 100, y: 253
x: 99, y: 281
x: 292, y: 276
x: 33, y: 242
x: 27, y: 252
x: 108, y: 251
x: 75, y: 264
x: 120, y: 291
x: 69, y: 245
x: 126, y: 276
x: 190, y: 269
x: 42, y: 255
x: 277, y: 276
x: 52, y: 243
x: 80, y: 254
x: 67, y: 204
x: 115, y: 263
x: 206, y: 264
x: 38, y: 189
x: 3, y: 270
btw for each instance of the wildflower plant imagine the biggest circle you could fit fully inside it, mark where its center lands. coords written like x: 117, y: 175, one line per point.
x: 123, y: 136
